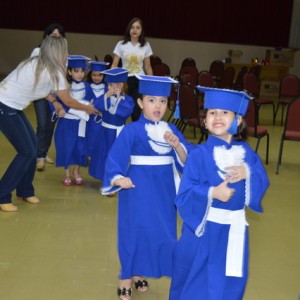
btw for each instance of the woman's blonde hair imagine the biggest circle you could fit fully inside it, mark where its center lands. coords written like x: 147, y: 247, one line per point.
x: 52, y: 56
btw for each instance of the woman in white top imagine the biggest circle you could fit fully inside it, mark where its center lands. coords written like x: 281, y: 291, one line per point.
x: 135, y: 52
x: 35, y: 78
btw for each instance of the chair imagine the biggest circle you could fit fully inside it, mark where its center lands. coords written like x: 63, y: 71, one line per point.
x: 216, y: 69
x: 188, y: 62
x: 239, y: 85
x: 250, y: 83
x: 291, y: 131
x: 188, y: 78
x: 193, y: 71
x: 172, y: 102
x: 205, y: 79
x: 253, y: 129
x: 288, y: 90
x: 161, y: 69
x: 155, y: 60
x: 227, y: 78
x: 189, y: 110
x: 256, y: 69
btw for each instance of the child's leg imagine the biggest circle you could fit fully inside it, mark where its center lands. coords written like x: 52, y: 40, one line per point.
x: 140, y: 283
x: 76, y: 175
x: 67, y: 179
x: 125, y: 290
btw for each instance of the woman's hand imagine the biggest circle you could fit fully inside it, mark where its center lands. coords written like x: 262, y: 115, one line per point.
x: 91, y: 110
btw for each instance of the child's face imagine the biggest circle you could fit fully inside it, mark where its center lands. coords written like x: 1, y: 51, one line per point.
x: 77, y: 74
x: 218, y: 121
x: 116, y: 87
x: 154, y: 107
x: 96, y: 76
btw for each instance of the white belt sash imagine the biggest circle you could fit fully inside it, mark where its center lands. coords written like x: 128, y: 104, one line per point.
x: 236, y: 238
x: 156, y: 161
x: 110, y: 126
x: 82, y: 123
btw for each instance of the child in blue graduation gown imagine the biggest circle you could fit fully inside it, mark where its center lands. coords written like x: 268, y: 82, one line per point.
x: 220, y: 178
x: 115, y: 107
x: 70, y: 133
x: 142, y: 165
x: 96, y: 80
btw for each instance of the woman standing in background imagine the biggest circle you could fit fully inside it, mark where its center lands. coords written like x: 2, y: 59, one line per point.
x: 135, y: 52
x: 45, y: 125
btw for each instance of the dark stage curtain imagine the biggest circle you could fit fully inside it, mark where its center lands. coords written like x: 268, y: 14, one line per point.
x: 257, y: 22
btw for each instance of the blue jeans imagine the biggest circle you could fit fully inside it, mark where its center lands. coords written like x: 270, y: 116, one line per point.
x: 45, y: 127
x: 20, y: 173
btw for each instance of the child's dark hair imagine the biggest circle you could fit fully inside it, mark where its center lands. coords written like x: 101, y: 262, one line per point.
x: 127, y: 37
x: 241, y: 134
x: 89, y: 77
x: 69, y: 77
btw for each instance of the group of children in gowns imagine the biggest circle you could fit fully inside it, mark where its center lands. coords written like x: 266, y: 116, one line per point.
x: 78, y: 136
x: 142, y: 162
x: 210, y: 260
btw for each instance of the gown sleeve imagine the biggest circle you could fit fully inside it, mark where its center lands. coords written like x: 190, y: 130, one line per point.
x: 193, y: 200
x: 117, y: 161
x: 257, y: 181
x: 188, y: 147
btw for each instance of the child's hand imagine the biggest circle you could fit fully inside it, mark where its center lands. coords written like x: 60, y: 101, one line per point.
x: 171, y: 139
x: 124, y: 183
x: 222, y: 192
x: 236, y: 173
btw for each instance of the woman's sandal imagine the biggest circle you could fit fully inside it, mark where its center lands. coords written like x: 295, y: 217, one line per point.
x: 141, y: 285
x: 124, y: 294
x: 32, y: 199
x: 8, y: 207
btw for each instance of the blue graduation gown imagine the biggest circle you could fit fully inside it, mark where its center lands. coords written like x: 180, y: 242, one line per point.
x: 114, y: 115
x: 200, y: 254
x: 94, y: 123
x: 146, y: 213
x: 71, y: 149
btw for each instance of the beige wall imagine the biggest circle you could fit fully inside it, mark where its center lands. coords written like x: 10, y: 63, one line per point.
x: 15, y: 45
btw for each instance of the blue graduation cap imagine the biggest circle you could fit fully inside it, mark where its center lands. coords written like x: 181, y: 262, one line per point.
x: 155, y: 85
x: 77, y: 61
x: 115, y: 75
x: 98, y: 65
x: 158, y: 86
x: 236, y: 101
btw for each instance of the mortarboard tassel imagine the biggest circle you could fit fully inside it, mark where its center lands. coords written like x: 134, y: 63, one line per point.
x: 234, y: 125
x: 177, y: 108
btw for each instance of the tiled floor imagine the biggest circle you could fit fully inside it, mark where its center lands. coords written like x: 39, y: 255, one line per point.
x: 65, y: 247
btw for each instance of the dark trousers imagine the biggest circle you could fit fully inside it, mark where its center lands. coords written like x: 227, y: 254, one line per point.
x: 133, y: 91
x: 45, y: 127
x: 20, y: 173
